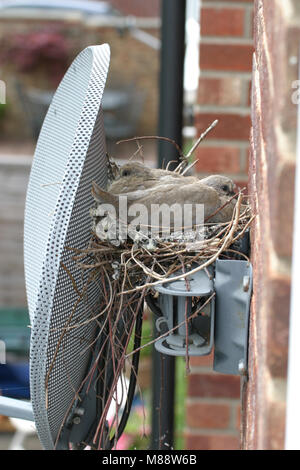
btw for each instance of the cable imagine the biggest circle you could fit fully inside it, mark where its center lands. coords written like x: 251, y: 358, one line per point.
x: 133, y: 378
x: 153, y: 305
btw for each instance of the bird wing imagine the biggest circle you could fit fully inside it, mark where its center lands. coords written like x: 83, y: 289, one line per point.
x: 180, y: 193
x: 173, y: 193
x: 126, y: 185
x: 183, y: 192
x: 102, y: 196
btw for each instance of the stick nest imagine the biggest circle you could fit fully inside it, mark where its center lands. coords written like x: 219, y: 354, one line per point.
x: 129, y: 274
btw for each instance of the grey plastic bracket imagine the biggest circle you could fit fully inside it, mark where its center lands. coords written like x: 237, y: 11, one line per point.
x: 175, y: 301
x: 233, y: 287
x: 224, y: 324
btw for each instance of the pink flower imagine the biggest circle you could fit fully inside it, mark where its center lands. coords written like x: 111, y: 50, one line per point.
x: 124, y: 442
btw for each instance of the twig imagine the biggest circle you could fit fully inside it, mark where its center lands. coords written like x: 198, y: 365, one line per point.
x: 44, y: 185
x: 138, y: 269
x: 191, y: 151
x: 224, y: 245
x: 202, y: 137
x: 189, y: 167
x: 151, y: 137
x: 139, y: 150
x: 220, y: 208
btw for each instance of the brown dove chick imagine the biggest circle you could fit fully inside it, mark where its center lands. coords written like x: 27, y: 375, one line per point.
x: 181, y: 192
x: 224, y: 185
x: 135, y: 175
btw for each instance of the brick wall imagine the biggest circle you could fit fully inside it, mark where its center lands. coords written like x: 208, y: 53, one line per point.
x: 272, y: 169
x: 212, y: 408
x: 226, y: 49
x: 137, y: 8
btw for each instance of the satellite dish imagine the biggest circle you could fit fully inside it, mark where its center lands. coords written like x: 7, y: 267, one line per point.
x: 72, y: 365
x: 70, y: 154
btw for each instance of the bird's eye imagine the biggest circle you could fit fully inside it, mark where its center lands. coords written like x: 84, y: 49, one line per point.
x: 126, y: 173
x: 225, y: 188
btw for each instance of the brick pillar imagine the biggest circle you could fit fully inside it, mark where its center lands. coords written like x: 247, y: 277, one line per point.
x: 272, y: 168
x: 226, y: 50
x: 212, y: 408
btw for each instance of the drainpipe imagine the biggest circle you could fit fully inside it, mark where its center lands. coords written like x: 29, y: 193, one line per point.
x: 171, y: 78
x: 170, y: 125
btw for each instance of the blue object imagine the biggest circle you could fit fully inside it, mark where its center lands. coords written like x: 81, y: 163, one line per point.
x: 14, y: 380
x: 16, y: 408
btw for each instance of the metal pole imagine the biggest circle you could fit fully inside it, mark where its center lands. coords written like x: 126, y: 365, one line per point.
x: 170, y: 125
x: 163, y: 389
x: 171, y: 78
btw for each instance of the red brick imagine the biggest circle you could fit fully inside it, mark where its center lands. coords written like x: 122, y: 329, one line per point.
x: 248, y: 157
x: 289, y: 113
x: 230, y: 126
x: 137, y: 8
x: 218, y: 160
x: 227, y: 91
x: 276, y: 418
x: 228, y: 57
x: 202, y: 361
x: 238, y: 417
x: 277, y: 341
x: 212, y: 442
x: 282, y: 193
x: 222, y: 21
x: 207, y: 415
x: 249, y: 93
x: 213, y: 385
x: 272, y: 169
x: 241, y: 184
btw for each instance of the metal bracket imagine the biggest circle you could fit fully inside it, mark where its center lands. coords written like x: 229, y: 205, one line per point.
x: 175, y: 301
x: 224, y: 324
x: 233, y: 287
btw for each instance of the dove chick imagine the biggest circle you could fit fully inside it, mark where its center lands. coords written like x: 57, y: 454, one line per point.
x: 182, y: 193
x: 150, y: 188
x: 222, y: 184
x: 134, y: 176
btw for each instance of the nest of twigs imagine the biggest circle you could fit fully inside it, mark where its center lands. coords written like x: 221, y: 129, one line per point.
x: 128, y: 274
x: 142, y: 265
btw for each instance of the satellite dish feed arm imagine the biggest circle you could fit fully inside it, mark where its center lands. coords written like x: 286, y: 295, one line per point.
x: 16, y: 408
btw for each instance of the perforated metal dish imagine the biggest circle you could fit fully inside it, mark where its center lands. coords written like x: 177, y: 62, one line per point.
x: 70, y: 154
